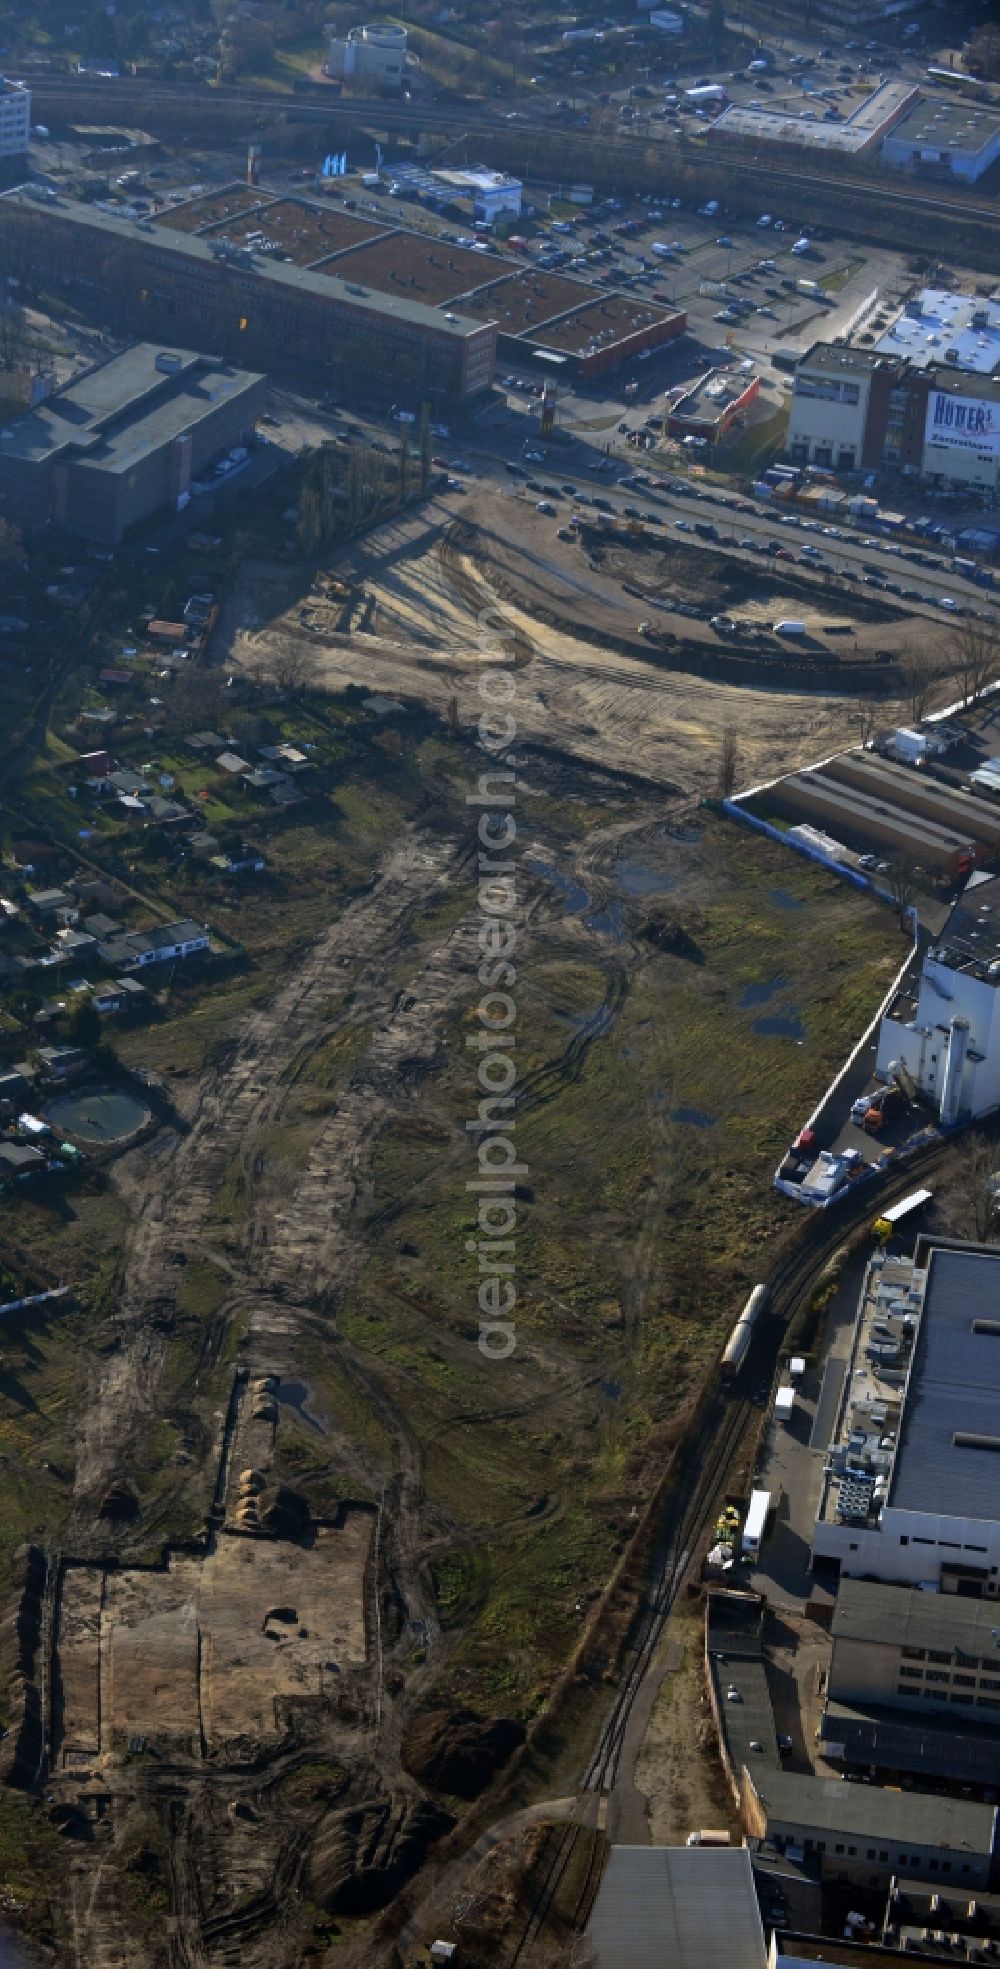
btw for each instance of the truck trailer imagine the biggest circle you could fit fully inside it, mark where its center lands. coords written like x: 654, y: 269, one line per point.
x: 755, y: 1523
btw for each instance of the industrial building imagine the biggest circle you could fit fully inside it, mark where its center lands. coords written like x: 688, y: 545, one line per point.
x: 921, y: 794
x: 858, y: 409
x: 714, y: 406
x: 911, y: 1483
x: 864, y: 820
x: 852, y: 137
x: 15, y: 119
x: 938, y: 326
x: 124, y: 441
x: 375, y: 55
x: 492, y: 194
x: 944, y: 1032
x: 940, y: 138
x: 904, y: 1649
x: 694, y: 1907
x: 914, y: 1683
x: 255, y: 306
x: 863, y: 1835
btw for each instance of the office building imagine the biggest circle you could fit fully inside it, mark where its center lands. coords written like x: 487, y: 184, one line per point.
x: 124, y: 441
x: 944, y: 138
x: 862, y: 409
x: 375, y: 55
x: 944, y: 1031
x: 15, y: 119
x: 911, y: 1483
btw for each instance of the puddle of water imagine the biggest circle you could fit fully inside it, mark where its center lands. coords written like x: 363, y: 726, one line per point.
x: 627, y: 1052
x: 785, y: 899
x: 635, y: 880
x: 780, y: 1025
x: 693, y: 1118
x: 575, y: 897
x: 609, y: 922
x: 612, y: 1389
x: 295, y: 1394
x: 759, y: 994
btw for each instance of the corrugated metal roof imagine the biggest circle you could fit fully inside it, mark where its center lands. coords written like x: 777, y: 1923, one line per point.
x: 954, y: 1388
x: 677, y: 1907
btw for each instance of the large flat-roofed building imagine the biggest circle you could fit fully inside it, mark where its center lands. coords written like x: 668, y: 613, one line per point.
x: 938, y: 326
x: 911, y: 1486
x: 808, y: 130
x: 945, y: 1032
x: 686, y: 1907
x: 938, y: 138
x: 124, y: 441
x: 15, y: 119
x: 253, y: 305
x: 831, y: 399
x: 862, y: 1835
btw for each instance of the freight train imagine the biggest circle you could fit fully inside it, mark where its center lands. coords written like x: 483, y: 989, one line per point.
x: 737, y: 1346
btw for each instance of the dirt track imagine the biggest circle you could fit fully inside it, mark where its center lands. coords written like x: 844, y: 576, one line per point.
x: 601, y: 706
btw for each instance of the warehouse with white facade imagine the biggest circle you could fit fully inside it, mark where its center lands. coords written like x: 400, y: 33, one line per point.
x: 911, y: 1484
x: 943, y: 1036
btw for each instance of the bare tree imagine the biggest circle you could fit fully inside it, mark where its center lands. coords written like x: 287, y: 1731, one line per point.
x: 974, y: 651
x: 291, y: 666
x: 903, y: 880
x: 729, y: 759
x: 980, y: 1198
x: 919, y: 671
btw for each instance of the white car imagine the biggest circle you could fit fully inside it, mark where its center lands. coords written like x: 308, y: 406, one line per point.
x: 765, y: 219
x: 946, y: 601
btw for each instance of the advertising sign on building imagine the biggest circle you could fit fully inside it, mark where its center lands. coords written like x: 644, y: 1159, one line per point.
x: 962, y: 424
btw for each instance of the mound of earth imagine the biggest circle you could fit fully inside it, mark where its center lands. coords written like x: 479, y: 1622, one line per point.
x: 283, y: 1512
x: 361, y: 1856
x: 457, y: 1751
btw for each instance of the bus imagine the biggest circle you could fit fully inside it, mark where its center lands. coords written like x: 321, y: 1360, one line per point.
x: 953, y: 78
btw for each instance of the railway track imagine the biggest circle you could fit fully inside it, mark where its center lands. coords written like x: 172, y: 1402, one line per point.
x: 709, y: 1455
x: 456, y: 121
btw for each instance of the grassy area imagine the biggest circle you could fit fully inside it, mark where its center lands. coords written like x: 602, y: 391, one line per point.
x: 838, y: 277
x: 665, y: 1136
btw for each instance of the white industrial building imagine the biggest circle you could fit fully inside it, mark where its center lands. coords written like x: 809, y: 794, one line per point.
x: 15, y: 118
x: 944, y: 1039
x: 375, y: 54
x: 944, y: 138
x: 851, y: 137
x: 938, y: 326
x: 911, y: 1484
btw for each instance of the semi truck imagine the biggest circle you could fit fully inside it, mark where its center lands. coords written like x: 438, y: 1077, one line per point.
x: 755, y: 1523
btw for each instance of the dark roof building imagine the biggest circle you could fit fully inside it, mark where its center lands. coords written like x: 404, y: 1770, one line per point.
x: 123, y: 441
